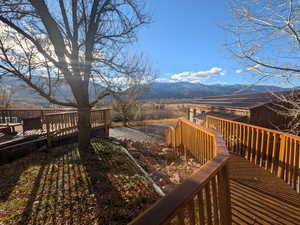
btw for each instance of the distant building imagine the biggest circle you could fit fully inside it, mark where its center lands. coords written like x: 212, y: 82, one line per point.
x: 257, y: 109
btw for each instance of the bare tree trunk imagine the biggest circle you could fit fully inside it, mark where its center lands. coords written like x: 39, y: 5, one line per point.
x: 84, y: 128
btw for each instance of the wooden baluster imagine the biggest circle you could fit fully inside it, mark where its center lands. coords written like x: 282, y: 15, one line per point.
x: 230, y: 137
x: 197, y: 145
x: 211, y: 153
x: 59, y: 118
x: 227, y: 135
x: 262, y: 144
x: 224, y: 197
x: 75, y: 122
x: 296, y: 164
x: 274, y: 151
x: 201, y: 208
x: 267, y: 160
x: 215, y: 201
x: 233, y: 147
x: 286, y: 160
x: 256, y: 145
x: 202, y: 148
x: 181, y: 217
x: 192, y: 140
x: 282, y: 151
x: 252, y: 144
x: 238, y: 134
x: 106, y: 123
x: 57, y: 123
x: 48, y: 131
x: 290, y: 161
x: 208, y: 204
x: 191, y: 210
x: 242, y: 141
x: 69, y: 123
x: 248, y: 147
x: 207, y: 147
x: 62, y: 124
x: 175, y: 141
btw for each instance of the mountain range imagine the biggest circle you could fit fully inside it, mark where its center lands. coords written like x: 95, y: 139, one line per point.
x: 180, y: 90
x: 158, y: 90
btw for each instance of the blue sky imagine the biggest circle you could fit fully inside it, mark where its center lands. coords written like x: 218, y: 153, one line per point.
x: 186, y: 43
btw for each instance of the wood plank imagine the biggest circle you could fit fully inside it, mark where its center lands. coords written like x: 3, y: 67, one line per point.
x: 258, y: 197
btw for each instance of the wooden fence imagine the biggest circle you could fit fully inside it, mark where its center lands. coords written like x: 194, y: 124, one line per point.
x: 275, y: 151
x: 17, y: 115
x: 204, y: 197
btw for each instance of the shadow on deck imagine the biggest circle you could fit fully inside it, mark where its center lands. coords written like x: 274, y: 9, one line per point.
x: 257, y: 197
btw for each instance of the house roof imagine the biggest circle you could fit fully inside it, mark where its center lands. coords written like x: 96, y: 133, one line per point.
x: 243, y: 101
x: 224, y: 115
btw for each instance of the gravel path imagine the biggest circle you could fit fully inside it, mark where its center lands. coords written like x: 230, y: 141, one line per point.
x: 149, y: 133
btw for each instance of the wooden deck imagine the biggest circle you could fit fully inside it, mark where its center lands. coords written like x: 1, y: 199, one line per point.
x: 258, y: 197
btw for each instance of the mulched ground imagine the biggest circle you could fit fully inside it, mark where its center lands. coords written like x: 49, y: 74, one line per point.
x: 66, y: 186
x: 165, y: 167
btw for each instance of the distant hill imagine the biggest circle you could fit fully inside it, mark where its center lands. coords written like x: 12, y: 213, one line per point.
x: 158, y: 90
x: 189, y: 90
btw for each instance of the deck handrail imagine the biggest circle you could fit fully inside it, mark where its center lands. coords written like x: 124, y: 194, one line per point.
x: 276, y: 151
x: 205, y: 195
x: 66, y: 123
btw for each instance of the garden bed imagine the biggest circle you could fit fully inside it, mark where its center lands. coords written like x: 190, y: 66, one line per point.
x: 164, y: 166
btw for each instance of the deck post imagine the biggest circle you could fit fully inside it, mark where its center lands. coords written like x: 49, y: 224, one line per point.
x: 224, y: 197
x: 105, y: 123
x: 48, y: 132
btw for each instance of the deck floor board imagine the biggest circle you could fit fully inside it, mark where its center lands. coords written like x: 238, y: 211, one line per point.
x: 259, y: 197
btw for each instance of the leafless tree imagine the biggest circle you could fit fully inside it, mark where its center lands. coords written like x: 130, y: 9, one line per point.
x: 77, y: 43
x: 6, y: 96
x: 127, y: 106
x: 265, y: 38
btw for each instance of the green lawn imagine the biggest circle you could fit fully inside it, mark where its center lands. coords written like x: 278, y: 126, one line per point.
x: 66, y: 186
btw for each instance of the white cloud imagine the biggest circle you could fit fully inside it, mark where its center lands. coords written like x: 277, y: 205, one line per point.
x: 198, y: 76
x: 250, y: 68
x: 238, y: 71
x: 161, y: 79
x: 165, y: 80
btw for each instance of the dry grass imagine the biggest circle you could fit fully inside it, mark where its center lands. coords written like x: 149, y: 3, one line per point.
x: 145, y: 122
x: 66, y: 186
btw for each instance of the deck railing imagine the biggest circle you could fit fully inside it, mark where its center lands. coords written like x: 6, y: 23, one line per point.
x: 17, y: 115
x: 275, y: 151
x: 66, y: 123
x: 204, y: 197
